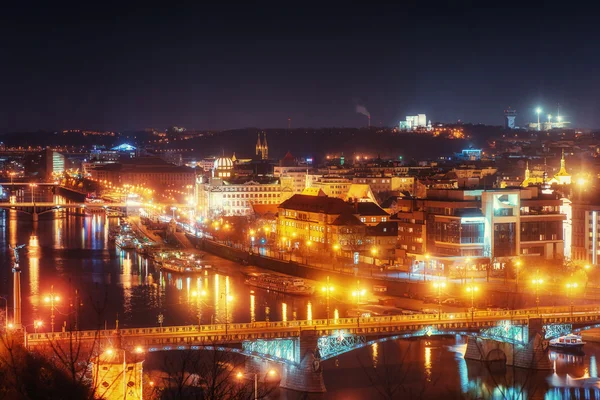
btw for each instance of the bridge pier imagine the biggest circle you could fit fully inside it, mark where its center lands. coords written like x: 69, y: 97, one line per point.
x: 307, y: 375
x: 530, y: 355
x: 35, y: 216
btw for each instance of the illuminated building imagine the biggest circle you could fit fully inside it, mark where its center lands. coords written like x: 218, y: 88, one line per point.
x: 333, y: 186
x: 227, y: 194
x: 585, y: 241
x: 262, y: 149
x: 151, y: 172
x: 562, y: 177
x: 413, y: 122
x: 118, y: 374
x: 328, y: 222
x: 469, y: 154
x: 509, y: 118
x: 290, y: 169
x: 497, y: 224
x: 387, y: 184
x: 55, y: 163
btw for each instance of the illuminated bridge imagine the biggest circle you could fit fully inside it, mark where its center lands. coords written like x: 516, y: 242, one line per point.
x: 296, y: 348
x: 37, y: 208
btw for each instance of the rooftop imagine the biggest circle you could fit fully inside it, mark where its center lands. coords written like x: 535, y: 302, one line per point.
x: 318, y: 204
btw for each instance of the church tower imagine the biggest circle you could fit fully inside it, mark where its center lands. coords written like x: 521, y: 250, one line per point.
x: 265, y: 149
x: 258, y: 146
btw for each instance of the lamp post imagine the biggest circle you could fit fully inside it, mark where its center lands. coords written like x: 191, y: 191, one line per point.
x: 570, y: 287
x: 32, y: 186
x: 581, y: 181
x: 228, y: 298
x: 537, y: 282
x: 517, y: 269
x: 439, y: 286
x: 327, y: 290
x: 52, y: 299
x: 173, y: 209
x: 471, y: 289
x: 271, y: 373
x: 199, y: 295
x: 425, y: 265
x: 538, y: 111
x: 308, y: 244
x: 357, y: 294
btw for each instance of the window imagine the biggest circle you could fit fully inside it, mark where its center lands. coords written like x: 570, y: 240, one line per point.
x: 373, y: 219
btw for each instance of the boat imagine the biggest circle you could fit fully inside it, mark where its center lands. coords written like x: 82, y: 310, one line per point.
x: 280, y: 284
x: 183, y: 267
x: 568, y: 342
x: 125, y: 242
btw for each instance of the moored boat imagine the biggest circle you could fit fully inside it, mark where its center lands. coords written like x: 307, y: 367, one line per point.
x: 125, y: 242
x: 280, y: 284
x: 570, y: 342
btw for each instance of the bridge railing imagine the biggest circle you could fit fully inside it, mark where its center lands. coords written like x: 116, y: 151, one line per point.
x: 296, y: 326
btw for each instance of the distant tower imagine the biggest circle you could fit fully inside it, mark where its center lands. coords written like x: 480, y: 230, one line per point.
x: 509, y: 118
x: 265, y: 148
x: 258, y: 146
x: 289, y: 123
x: 262, y: 149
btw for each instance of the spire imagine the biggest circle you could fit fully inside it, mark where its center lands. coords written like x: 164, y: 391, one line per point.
x: 527, y: 172
x: 265, y: 148
x: 258, y: 145
x: 563, y: 165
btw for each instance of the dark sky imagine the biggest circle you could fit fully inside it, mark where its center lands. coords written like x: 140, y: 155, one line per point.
x: 238, y: 66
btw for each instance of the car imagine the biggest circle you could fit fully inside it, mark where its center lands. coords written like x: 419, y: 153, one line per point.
x: 429, y: 311
x: 450, y: 301
x: 431, y: 300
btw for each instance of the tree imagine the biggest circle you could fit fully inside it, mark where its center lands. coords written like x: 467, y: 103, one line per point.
x: 209, y: 374
x: 31, y: 375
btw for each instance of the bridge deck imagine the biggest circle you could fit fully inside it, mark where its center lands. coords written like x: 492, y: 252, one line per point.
x: 376, y: 326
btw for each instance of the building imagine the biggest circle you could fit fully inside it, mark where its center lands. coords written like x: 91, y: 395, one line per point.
x: 55, y: 163
x: 118, y: 374
x: 226, y: 194
x: 562, y: 177
x: 380, y: 184
x: 333, y: 186
x: 262, y: 148
x: 509, y: 118
x: 150, y: 172
x: 585, y: 240
x: 334, y: 225
x: 289, y: 168
x: 413, y: 122
x: 487, y: 226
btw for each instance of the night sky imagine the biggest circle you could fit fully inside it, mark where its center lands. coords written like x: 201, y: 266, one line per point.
x: 206, y: 68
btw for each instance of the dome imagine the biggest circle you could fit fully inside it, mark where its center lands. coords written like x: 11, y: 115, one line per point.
x: 223, y: 163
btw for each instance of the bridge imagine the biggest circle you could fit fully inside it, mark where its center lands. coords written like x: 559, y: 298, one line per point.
x: 294, y: 348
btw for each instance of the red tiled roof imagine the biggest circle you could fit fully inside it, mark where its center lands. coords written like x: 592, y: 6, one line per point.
x: 318, y: 204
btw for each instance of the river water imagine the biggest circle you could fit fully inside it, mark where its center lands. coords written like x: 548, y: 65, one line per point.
x: 98, y: 285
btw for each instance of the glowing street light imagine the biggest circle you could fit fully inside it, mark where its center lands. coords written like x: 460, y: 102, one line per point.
x: 358, y: 293
x: 537, y: 282
x: 472, y: 289
x: 52, y: 299
x: 37, y: 324
x: 439, y: 286
x: 570, y: 287
x: 517, y: 270
x: 327, y: 290
x: 538, y: 112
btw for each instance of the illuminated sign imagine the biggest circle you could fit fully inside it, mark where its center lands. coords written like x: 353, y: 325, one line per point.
x: 472, y: 220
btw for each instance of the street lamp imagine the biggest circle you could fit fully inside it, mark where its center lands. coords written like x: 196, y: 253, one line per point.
x: 517, y: 270
x: 538, y: 112
x: 37, y: 324
x: 570, y: 287
x: 425, y: 267
x: 32, y: 186
x: 357, y: 295
x: 228, y: 298
x: 199, y: 296
x: 472, y: 289
x: 537, y: 282
x: 439, y: 286
x: 327, y: 290
x: 173, y: 209
x: 270, y: 373
x: 52, y: 299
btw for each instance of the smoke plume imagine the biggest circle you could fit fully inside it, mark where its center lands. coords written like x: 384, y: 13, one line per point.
x: 363, y: 110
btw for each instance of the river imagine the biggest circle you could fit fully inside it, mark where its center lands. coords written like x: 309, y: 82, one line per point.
x: 72, y: 257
